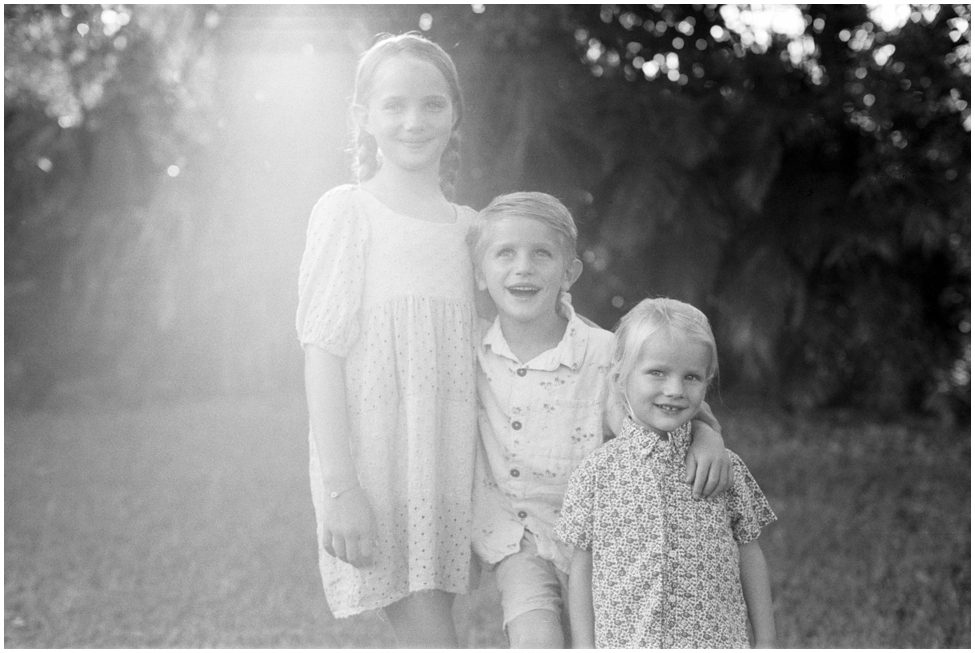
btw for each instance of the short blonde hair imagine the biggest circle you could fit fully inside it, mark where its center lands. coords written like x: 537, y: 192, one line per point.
x: 652, y: 316
x: 531, y: 205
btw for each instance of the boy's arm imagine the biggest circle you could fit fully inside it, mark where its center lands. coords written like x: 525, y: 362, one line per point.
x: 707, y: 464
x: 582, y: 621
x: 706, y: 415
x: 758, y: 593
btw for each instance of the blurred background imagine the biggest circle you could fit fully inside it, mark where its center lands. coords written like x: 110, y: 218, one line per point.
x: 800, y: 172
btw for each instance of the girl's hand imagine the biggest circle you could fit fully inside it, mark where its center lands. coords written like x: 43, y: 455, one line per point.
x: 707, y: 463
x: 350, y: 528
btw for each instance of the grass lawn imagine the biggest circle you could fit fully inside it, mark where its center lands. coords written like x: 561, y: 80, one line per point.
x: 190, y: 525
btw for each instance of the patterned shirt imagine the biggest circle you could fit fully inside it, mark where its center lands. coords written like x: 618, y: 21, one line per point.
x: 538, y: 420
x: 665, y: 566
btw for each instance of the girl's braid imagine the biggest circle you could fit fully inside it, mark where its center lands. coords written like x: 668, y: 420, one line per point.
x: 365, y: 156
x: 450, y: 165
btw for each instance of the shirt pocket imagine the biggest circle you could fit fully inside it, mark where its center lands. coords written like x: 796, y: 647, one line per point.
x: 571, y: 430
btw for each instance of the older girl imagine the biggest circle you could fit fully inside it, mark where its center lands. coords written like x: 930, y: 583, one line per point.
x: 386, y: 318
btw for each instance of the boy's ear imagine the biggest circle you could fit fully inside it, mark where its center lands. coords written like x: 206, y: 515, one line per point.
x: 572, y: 272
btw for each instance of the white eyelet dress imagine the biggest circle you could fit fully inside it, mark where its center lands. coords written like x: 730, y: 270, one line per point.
x: 393, y: 295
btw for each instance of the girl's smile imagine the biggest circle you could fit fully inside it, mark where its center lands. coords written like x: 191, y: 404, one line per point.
x: 410, y: 114
x: 669, y: 381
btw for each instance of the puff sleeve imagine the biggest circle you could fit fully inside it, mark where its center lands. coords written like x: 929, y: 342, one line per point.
x: 332, y: 273
x: 749, y: 509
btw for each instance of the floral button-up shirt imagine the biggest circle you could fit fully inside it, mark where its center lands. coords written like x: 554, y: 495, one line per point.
x: 538, y: 420
x: 665, y: 566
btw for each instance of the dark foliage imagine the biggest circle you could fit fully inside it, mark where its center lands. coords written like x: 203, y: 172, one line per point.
x: 810, y: 193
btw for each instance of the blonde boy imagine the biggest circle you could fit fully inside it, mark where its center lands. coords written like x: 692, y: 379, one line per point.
x: 542, y: 387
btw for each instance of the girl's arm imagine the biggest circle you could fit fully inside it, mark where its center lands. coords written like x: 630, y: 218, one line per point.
x: 582, y: 621
x: 349, y: 524
x: 707, y: 464
x: 758, y: 593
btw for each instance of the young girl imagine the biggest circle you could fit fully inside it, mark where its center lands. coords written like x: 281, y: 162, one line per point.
x: 652, y: 568
x: 386, y: 319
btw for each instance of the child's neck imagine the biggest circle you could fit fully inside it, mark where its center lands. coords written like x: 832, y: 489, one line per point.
x: 414, y: 193
x: 663, y: 435
x: 529, y: 339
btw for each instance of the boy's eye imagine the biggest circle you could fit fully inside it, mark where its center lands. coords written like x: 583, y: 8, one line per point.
x: 393, y: 105
x: 543, y: 253
x: 437, y: 105
x: 504, y: 251
x: 693, y: 377
x: 653, y: 372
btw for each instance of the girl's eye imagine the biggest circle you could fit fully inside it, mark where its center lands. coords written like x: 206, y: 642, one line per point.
x: 655, y: 373
x: 393, y: 106
x: 437, y: 105
x: 693, y: 377
x: 504, y: 252
x: 543, y: 253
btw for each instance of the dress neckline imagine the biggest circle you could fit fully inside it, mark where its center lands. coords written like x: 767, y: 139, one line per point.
x: 387, y: 207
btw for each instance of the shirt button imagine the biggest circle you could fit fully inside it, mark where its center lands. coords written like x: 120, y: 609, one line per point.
x: 522, y: 372
x: 515, y: 473
x: 522, y: 514
x: 516, y: 425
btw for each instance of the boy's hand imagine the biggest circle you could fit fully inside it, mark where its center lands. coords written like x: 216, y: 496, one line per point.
x: 708, y: 465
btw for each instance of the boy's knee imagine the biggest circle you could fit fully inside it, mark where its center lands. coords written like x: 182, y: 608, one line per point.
x: 536, y: 629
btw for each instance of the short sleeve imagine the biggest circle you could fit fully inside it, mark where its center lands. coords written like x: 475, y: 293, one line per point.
x: 749, y: 509
x: 332, y: 273
x: 575, y: 525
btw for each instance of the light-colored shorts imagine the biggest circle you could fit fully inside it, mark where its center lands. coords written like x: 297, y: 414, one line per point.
x: 528, y: 582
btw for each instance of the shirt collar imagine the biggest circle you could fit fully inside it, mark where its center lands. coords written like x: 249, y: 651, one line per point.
x: 649, y: 441
x: 570, y: 351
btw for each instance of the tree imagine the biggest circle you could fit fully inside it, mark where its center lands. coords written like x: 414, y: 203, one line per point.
x: 99, y: 103
x: 809, y: 190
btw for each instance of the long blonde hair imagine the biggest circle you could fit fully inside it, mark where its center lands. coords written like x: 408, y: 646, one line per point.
x: 365, y: 155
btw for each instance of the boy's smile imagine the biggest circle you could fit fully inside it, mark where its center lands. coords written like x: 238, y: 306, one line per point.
x: 523, y: 268
x: 524, y: 291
